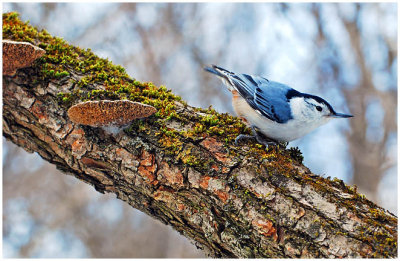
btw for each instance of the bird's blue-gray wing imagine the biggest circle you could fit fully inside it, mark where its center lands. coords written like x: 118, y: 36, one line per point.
x: 267, y: 97
x: 271, y: 101
x: 246, y: 87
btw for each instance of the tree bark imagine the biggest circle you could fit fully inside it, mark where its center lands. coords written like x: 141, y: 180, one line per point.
x: 184, y: 170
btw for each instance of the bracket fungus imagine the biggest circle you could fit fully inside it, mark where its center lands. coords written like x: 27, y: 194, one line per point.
x: 18, y: 55
x: 109, y: 115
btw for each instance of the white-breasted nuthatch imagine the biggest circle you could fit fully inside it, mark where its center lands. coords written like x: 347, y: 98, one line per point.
x: 274, y: 111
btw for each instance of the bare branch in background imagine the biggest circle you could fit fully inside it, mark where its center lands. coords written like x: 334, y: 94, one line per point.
x: 369, y: 157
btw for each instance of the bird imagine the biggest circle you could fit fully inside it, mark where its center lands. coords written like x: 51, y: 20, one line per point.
x: 274, y: 111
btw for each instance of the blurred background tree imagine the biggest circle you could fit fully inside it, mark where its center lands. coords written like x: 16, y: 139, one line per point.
x: 346, y: 53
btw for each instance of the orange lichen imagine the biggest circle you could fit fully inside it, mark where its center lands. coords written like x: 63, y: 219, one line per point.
x: 215, y: 167
x: 164, y: 188
x: 147, y: 159
x: 204, y: 182
x: 172, y: 174
x: 222, y: 195
x: 265, y: 227
x: 217, y: 150
x: 108, y: 113
x: 78, y: 142
x: 39, y: 110
x: 78, y: 145
x: 122, y: 154
x: 163, y: 196
x: 180, y: 206
x: 225, y: 170
x: 148, y: 167
x: 148, y: 174
x: 18, y: 55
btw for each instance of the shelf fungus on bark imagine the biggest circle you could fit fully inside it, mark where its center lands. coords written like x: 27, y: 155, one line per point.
x: 111, y: 116
x: 18, y: 55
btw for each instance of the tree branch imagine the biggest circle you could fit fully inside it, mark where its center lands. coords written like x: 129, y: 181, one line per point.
x: 181, y: 166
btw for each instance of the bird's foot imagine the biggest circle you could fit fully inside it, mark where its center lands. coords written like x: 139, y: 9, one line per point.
x: 258, y: 138
x: 243, y: 137
x: 262, y: 139
x: 265, y: 141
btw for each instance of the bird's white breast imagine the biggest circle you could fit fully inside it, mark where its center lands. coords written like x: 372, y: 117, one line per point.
x: 291, y: 130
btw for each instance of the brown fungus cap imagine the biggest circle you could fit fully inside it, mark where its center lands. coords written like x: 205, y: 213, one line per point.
x: 18, y: 55
x: 108, y: 113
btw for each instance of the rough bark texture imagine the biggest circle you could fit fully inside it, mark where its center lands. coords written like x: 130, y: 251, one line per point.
x: 230, y: 201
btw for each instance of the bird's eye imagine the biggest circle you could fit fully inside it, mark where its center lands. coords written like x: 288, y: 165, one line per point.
x: 319, y: 108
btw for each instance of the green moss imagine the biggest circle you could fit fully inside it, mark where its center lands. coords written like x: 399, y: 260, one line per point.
x: 222, y: 125
x: 172, y: 144
x: 10, y: 16
x: 383, y: 242
x: 66, y: 99
x: 192, y: 160
x: 296, y: 154
x: 192, y: 157
x: 61, y: 58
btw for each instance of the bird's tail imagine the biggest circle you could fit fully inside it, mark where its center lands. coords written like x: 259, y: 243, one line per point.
x: 212, y: 70
x: 222, y: 73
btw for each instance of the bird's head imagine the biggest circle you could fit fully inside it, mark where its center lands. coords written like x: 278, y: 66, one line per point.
x: 306, y: 107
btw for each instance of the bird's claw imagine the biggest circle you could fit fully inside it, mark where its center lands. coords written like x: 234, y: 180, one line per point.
x: 243, y: 137
x: 265, y: 142
x: 263, y: 139
x: 260, y: 138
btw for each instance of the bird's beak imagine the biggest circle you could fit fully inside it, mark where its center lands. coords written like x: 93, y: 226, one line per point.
x: 340, y: 115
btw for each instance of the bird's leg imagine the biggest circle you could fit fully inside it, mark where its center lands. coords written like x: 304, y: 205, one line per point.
x: 258, y: 136
x: 243, y: 137
x: 262, y: 139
